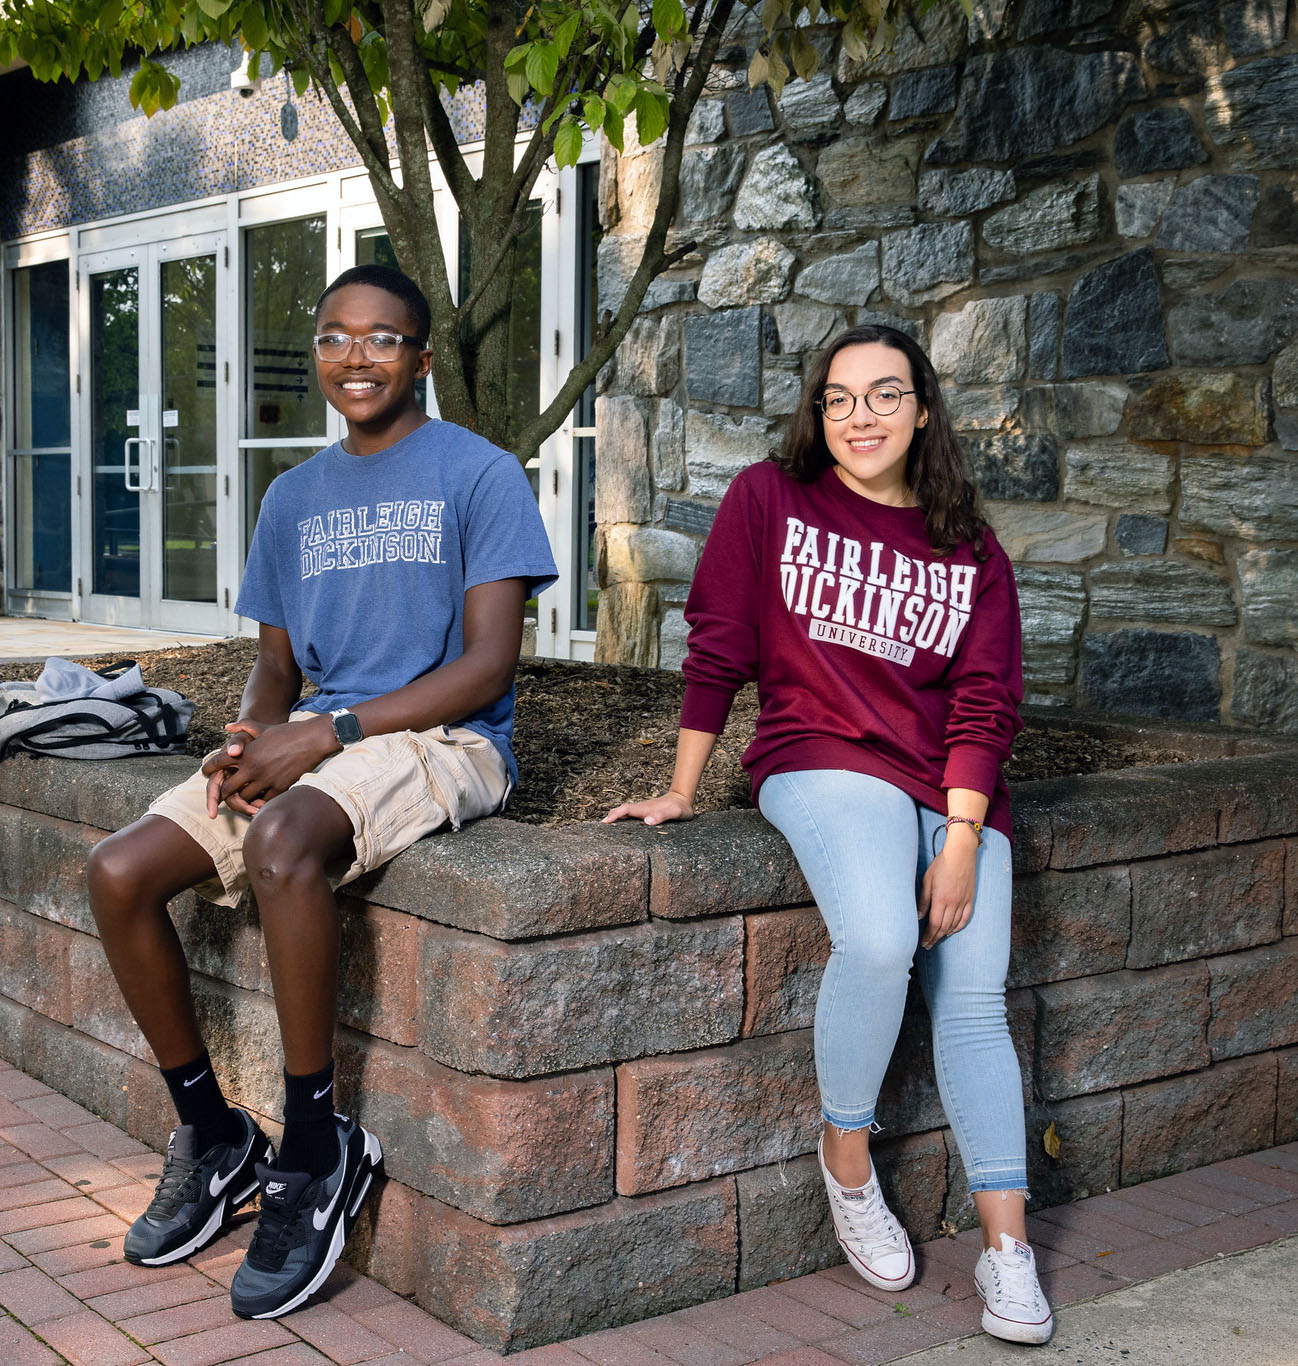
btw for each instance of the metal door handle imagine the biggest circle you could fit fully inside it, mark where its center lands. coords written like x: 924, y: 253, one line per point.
x: 130, y: 441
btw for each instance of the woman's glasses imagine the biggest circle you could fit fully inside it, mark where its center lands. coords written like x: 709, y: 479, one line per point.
x: 883, y: 400
x: 380, y: 347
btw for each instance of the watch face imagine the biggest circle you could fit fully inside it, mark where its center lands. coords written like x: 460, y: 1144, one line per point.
x: 347, y: 729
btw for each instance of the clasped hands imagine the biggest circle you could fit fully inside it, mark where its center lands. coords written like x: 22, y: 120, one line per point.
x: 258, y: 762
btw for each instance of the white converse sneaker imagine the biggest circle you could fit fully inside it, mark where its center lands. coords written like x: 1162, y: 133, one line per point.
x: 1014, y: 1307
x: 876, y: 1244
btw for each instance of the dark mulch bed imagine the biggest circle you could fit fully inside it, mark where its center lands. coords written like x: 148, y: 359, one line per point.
x: 588, y: 736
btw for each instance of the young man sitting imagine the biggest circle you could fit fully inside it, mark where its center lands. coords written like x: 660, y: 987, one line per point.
x: 391, y: 569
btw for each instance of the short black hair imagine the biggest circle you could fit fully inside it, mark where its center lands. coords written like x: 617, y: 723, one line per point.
x: 393, y: 282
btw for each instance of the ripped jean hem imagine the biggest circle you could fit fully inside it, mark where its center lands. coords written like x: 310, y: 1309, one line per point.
x: 1009, y: 1181
x: 850, y: 1123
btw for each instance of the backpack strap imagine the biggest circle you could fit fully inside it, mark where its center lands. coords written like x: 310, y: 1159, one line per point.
x: 29, y: 739
x: 111, y: 671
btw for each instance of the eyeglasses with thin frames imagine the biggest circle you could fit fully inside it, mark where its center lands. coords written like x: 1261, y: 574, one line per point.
x: 380, y: 347
x: 883, y: 400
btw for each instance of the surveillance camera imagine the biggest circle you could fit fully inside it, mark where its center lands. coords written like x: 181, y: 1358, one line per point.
x: 242, y: 81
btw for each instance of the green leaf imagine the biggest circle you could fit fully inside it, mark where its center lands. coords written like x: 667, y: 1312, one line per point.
x: 613, y: 128
x: 566, y: 32
x: 335, y: 10
x: 214, y: 9
x: 854, y: 44
x: 758, y: 69
x: 516, y: 57
x: 254, y: 28
x: 805, y: 57
x: 772, y: 12
x: 542, y: 67
x: 651, y: 114
x: 777, y: 74
x: 668, y: 18
x: 621, y: 93
x: 593, y: 108
x: 567, y: 142
x: 519, y: 86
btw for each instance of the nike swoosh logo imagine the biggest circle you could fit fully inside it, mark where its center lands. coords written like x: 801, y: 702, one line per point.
x: 218, y: 1182
x: 320, y: 1217
x: 200, y: 1077
x: 315, y: 1095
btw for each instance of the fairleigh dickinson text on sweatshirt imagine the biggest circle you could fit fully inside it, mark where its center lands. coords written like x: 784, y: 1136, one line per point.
x: 871, y: 652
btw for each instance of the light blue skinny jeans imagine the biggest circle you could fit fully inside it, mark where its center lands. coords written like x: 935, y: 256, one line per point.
x: 863, y: 846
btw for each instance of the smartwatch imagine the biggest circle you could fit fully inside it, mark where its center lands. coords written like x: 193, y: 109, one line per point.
x: 347, y: 729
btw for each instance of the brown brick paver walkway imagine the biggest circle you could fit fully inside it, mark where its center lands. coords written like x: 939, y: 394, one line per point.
x: 69, y: 1184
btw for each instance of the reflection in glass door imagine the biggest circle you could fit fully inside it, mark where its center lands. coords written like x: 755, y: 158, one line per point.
x: 188, y: 438
x: 118, y: 452
x: 152, y: 433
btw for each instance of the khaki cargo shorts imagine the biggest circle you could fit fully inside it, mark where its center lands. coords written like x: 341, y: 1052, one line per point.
x: 395, y: 789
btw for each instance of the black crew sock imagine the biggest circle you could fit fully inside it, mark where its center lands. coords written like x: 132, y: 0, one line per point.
x: 310, y: 1142
x: 198, y: 1101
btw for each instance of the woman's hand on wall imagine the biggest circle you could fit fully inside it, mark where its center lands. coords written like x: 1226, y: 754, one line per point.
x: 671, y: 806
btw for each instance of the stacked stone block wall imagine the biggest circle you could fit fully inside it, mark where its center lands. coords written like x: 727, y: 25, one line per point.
x: 588, y: 1050
x: 1088, y: 213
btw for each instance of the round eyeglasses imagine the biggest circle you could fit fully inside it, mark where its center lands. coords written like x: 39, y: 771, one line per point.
x: 883, y: 400
x: 380, y: 347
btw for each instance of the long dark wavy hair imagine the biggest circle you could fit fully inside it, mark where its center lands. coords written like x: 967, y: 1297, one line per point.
x: 936, y: 469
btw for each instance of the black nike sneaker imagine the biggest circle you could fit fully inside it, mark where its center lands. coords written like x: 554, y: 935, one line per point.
x: 304, y: 1224
x: 198, y: 1194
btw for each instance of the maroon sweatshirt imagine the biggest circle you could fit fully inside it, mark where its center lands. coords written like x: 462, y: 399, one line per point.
x: 871, y: 653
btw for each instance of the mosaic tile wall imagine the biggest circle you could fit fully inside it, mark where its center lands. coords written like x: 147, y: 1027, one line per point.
x: 86, y: 154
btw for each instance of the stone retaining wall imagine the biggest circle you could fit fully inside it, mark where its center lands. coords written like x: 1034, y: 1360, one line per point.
x: 587, y: 1050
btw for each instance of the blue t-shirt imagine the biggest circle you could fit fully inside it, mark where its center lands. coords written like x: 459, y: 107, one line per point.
x: 365, y: 560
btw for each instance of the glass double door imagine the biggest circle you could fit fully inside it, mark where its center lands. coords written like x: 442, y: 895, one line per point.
x: 154, y: 478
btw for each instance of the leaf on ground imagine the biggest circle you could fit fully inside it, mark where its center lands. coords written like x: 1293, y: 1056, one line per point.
x: 1051, y: 1143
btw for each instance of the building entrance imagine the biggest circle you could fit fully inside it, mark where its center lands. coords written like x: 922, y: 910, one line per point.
x: 156, y: 462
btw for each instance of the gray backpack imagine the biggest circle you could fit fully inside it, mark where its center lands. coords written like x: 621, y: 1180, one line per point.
x: 152, y: 721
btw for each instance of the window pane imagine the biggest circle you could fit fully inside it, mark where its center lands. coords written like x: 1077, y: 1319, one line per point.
x: 114, y: 389
x: 260, y: 466
x: 589, y: 233
x: 585, y: 584
x: 42, y: 405
x: 374, y: 248
x: 285, y: 277
x: 42, y: 484
x: 189, y: 429
x: 43, y: 522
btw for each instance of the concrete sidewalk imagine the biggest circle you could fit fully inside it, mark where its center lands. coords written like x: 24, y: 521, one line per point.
x: 70, y: 1183
x: 25, y: 640
x: 1240, y: 1310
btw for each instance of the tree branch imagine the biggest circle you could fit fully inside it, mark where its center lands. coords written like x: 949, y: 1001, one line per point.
x: 441, y: 135
x: 367, y: 134
x: 655, y: 258
x: 404, y: 87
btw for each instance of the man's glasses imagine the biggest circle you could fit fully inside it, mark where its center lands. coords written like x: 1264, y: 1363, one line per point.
x: 380, y: 347
x: 883, y: 400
